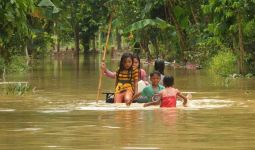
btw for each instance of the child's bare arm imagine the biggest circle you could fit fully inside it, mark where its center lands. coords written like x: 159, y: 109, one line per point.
x: 184, y: 98
x: 110, y: 74
x: 107, y: 72
x: 157, y: 102
x: 134, y: 97
x: 152, y: 103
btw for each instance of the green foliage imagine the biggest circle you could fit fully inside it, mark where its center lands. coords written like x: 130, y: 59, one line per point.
x: 13, y: 24
x: 17, y: 64
x: 94, y: 14
x: 17, y: 89
x: 205, y: 48
x: 249, y: 75
x: 48, y: 3
x: 223, y: 63
x: 2, y: 65
x: 158, y: 23
x: 42, y: 42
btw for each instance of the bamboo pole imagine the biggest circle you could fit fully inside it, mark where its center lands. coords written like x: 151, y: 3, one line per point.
x: 103, y: 59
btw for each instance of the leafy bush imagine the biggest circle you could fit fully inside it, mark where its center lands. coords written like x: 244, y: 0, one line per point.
x: 204, y: 48
x: 42, y: 42
x: 17, y: 64
x: 18, y: 89
x: 223, y: 63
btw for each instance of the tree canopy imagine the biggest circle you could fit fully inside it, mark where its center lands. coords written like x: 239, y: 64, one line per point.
x: 191, y: 30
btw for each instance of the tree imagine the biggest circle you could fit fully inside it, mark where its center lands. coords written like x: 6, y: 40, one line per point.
x: 229, y: 19
x: 94, y: 15
x: 13, y: 26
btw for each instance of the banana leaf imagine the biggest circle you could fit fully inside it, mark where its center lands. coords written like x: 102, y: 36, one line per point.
x: 48, y: 3
x: 158, y: 23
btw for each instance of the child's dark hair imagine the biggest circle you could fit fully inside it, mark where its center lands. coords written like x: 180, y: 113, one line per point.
x: 121, y: 67
x: 168, y: 81
x: 138, y: 58
x: 155, y: 73
x: 122, y: 60
x: 135, y: 56
x: 159, y: 65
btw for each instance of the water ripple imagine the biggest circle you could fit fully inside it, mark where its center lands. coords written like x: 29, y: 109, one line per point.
x: 6, y: 110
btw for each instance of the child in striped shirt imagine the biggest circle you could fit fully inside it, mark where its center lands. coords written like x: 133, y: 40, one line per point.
x: 126, y: 79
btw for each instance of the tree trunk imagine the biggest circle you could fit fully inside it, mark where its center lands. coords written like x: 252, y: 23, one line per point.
x: 29, y: 46
x: 99, y: 40
x: 5, y: 54
x: 85, y: 43
x: 77, y: 40
x: 241, y: 46
x: 27, y: 55
x: 4, y: 74
x: 94, y: 43
x: 181, y: 36
x: 155, y: 44
x: 145, y: 47
x: 1, y: 52
x: 118, y: 39
x: 55, y: 43
x: 194, y: 15
x: 58, y: 44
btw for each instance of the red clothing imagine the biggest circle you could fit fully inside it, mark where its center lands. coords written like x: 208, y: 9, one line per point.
x: 169, y: 96
x: 168, y: 101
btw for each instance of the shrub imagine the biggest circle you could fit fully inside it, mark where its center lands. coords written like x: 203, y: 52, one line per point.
x: 223, y: 63
x: 17, y: 64
x: 18, y: 89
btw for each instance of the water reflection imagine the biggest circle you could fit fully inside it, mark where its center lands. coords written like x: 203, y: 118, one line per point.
x: 167, y: 116
x: 62, y: 114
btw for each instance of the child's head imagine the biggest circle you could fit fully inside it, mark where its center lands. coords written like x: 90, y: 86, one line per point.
x: 168, y: 81
x: 126, y: 61
x: 159, y: 65
x: 136, y: 61
x: 155, y: 77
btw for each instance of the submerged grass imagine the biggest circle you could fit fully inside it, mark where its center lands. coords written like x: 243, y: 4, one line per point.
x: 16, y: 88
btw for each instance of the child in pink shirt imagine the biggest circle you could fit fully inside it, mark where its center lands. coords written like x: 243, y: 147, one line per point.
x: 167, y: 97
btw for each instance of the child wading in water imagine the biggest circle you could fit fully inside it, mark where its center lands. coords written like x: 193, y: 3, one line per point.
x: 126, y: 79
x: 150, y: 90
x: 159, y: 65
x: 168, y: 96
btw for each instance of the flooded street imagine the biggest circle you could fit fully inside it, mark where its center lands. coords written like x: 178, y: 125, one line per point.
x: 62, y: 113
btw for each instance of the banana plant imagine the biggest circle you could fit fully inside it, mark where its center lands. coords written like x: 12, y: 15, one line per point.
x: 139, y: 25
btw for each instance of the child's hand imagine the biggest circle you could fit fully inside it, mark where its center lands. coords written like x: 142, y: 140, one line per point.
x: 189, y: 96
x: 128, y: 103
x: 103, y: 66
x: 145, y: 105
x: 185, y: 104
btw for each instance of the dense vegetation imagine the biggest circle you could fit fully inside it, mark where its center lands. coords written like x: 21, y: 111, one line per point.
x: 203, y: 32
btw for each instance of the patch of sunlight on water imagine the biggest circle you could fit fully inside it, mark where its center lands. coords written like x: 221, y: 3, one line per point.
x: 55, y: 111
x: 6, y: 110
x: 26, y: 129
x: 141, y: 148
